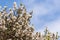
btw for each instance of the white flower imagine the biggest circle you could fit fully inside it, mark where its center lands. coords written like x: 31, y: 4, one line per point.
x: 16, y: 35
x: 11, y: 11
x: 4, y: 28
x: 9, y: 39
x: 14, y: 6
x: 14, y: 28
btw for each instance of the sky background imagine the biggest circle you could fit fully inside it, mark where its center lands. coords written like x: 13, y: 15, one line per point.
x: 46, y: 13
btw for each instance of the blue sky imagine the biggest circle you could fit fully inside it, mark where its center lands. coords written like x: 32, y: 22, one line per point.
x: 45, y: 13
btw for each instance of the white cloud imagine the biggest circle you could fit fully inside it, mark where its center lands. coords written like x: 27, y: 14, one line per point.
x: 54, y: 26
x: 39, y: 10
x: 44, y: 9
x: 48, y: 7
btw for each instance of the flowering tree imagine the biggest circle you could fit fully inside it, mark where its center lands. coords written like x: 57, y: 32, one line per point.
x: 15, y: 25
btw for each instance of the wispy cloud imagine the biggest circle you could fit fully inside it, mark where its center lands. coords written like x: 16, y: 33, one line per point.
x: 45, y: 13
x: 54, y: 26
